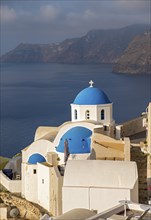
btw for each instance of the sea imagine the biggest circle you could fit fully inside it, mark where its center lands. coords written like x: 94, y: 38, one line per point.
x: 38, y: 94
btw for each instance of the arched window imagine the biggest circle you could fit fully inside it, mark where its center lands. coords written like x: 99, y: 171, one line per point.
x: 75, y: 114
x: 87, y: 114
x: 102, y: 114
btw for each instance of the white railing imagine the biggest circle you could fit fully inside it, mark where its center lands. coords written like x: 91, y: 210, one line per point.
x: 13, y: 186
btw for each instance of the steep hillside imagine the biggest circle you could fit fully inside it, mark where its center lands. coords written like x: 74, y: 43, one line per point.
x: 36, y: 52
x: 101, y: 46
x: 97, y: 46
x: 3, y: 162
x: 137, y: 57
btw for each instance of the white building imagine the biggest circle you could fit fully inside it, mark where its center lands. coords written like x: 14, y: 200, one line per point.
x: 81, y: 139
x: 92, y: 104
x: 99, y: 185
x: 90, y: 110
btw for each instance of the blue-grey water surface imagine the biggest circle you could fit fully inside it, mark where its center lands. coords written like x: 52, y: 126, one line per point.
x: 33, y: 95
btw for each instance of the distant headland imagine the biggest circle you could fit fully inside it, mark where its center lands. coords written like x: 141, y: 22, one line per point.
x: 128, y: 48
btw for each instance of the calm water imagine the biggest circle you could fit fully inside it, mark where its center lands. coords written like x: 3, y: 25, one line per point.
x: 40, y: 94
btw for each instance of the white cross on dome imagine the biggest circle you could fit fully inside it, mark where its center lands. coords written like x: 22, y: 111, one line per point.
x: 91, y: 83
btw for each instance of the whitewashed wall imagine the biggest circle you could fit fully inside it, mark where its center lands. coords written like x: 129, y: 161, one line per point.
x: 40, y: 146
x: 92, y: 184
x: 93, y: 198
x: 44, y: 186
x: 29, y: 182
x: 95, y: 113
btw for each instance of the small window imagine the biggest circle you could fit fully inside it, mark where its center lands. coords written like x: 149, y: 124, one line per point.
x: 87, y: 114
x: 102, y: 114
x: 42, y: 181
x: 75, y: 114
x: 34, y: 171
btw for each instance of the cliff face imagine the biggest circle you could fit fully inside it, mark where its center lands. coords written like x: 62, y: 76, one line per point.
x: 101, y: 46
x: 137, y: 57
x: 37, y: 52
x: 97, y: 46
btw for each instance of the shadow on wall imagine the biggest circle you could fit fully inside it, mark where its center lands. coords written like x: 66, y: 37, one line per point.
x: 93, y: 155
x: 149, y: 189
x: 141, y: 159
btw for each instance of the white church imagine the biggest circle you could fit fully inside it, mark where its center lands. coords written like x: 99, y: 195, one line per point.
x: 78, y: 163
x: 90, y: 110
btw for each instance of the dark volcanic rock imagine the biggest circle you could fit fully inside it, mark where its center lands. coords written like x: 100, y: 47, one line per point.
x: 97, y: 46
x: 137, y: 57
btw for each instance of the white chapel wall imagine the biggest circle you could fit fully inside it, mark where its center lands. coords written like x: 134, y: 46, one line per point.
x: 39, y: 146
x: 44, y: 186
x: 94, y: 113
x: 29, y: 182
x: 110, y: 180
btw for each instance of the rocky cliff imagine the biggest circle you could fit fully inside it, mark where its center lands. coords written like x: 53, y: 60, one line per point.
x: 97, y: 46
x: 27, y: 210
x: 137, y: 57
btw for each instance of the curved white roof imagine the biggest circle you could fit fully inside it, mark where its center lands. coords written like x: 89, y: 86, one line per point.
x: 77, y: 214
x: 99, y: 173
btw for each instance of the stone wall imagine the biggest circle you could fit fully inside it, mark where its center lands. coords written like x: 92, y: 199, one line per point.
x: 149, y: 175
x: 141, y: 159
x: 132, y: 127
x: 56, y: 192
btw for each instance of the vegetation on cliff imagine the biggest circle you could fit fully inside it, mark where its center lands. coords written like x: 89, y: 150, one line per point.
x: 3, y: 162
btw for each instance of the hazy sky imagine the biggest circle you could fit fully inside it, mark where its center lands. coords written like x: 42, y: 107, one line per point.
x: 53, y: 21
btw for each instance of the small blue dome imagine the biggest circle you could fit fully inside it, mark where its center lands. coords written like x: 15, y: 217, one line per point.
x: 78, y: 140
x: 91, y: 96
x: 36, y: 158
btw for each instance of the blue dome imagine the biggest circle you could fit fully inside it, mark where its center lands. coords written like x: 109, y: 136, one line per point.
x: 36, y: 158
x: 91, y: 96
x: 78, y: 140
